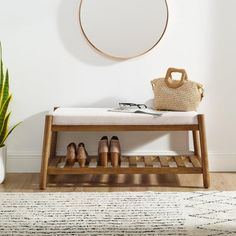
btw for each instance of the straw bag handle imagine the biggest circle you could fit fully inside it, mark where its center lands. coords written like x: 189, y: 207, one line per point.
x: 175, y: 83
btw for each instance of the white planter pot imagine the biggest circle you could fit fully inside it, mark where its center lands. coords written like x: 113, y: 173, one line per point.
x: 3, y: 151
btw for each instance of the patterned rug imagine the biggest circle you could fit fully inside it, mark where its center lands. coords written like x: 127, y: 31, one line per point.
x: 118, y: 213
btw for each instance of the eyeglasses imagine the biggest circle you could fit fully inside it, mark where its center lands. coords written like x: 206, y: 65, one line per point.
x: 124, y: 105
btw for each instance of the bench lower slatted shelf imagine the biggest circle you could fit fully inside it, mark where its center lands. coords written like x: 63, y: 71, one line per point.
x: 99, y: 119
x: 131, y: 165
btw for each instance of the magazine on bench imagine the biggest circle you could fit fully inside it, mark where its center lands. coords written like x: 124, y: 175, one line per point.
x: 147, y: 111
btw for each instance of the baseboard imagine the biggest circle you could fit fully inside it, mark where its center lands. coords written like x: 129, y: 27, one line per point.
x: 29, y: 162
x: 222, y: 162
x: 23, y: 162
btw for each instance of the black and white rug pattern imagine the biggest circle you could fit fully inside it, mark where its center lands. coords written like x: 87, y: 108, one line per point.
x: 118, y: 213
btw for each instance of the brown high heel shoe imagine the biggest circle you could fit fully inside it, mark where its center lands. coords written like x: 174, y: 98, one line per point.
x: 82, y: 155
x: 103, y: 151
x: 115, y: 151
x: 71, y: 153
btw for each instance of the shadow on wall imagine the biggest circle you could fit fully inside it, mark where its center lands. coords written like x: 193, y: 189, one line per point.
x: 28, y: 136
x: 136, y: 143
x: 72, y: 37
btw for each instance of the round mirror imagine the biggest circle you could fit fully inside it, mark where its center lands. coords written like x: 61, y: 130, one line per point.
x: 123, y: 28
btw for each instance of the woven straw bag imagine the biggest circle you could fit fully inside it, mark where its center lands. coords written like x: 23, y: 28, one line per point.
x: 176, y: 95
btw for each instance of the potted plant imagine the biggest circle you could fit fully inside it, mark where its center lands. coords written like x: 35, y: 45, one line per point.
x: 5, y: 98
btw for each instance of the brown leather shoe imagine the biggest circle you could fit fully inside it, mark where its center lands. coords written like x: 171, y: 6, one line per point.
x: 103, y: 151
x: 71, y: 153
x: 82, y: 155
x: 115, y: 151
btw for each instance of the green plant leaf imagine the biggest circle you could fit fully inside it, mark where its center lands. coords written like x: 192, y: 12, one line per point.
x: 5, y: 99
x: 0, y: 50
x: 1, y: 72
x: 3, y: 111
x: 5, y: 90
x: 10, y: 132
x: 3, y: 134
x: 1, y: 79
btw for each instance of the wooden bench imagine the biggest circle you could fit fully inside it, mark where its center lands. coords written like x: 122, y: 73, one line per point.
x: 99, y: 119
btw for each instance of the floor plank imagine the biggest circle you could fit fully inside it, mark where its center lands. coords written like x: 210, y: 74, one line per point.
x: 111, y: 183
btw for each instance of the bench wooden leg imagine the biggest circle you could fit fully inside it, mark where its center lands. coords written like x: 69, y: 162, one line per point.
x: 47, y: 141
x: 54, y: 142
x: 196, y: 143
x: 53, y: 145
x: 204, y: 154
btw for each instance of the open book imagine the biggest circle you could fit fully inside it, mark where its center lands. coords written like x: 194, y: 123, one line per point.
x: 136, y: 110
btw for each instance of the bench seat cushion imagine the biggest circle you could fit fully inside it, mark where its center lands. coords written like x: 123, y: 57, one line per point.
x: 101, y: 116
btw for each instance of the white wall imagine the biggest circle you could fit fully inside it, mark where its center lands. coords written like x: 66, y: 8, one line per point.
x: 51, y: 65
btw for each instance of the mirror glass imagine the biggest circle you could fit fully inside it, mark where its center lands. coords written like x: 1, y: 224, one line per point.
x: 123, y: 28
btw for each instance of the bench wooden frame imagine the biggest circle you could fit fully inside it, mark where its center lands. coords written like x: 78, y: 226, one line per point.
x: 199, y: 160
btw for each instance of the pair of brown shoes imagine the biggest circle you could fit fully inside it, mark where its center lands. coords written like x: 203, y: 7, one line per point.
x: 80, y: 154
x: 109, y: 152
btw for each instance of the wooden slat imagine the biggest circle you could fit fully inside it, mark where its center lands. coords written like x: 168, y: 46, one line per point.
x: 93, y: 159
x: 76, y: 165
x: 156, y: 162
x: 132, y: 160
x: 93, y: 164
x: 124, y: 162
x: 140, y: 158
x: 53, y: 161
x: 120, y: 170
x: 158, y: 165
x: 195, y: 161
x: 124, y: 159
x: 187, y: 162
x: 148, y: 160
x: 171, y: 162
x: 61, y: 162
x: 164, y: 161
x: 140, y: 162
x: 93, y: 128
x: 179, y: 161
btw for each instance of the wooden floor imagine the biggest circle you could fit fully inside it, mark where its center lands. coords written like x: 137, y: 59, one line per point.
x: 112, y: 183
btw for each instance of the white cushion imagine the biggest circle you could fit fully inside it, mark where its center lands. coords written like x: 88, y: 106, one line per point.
x: 101, y: 116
